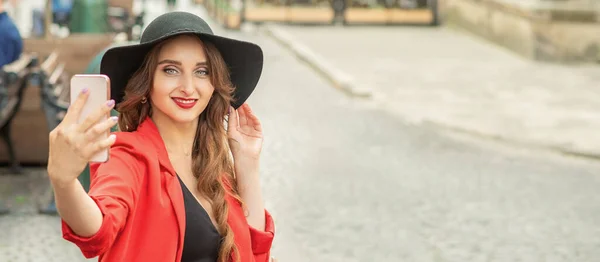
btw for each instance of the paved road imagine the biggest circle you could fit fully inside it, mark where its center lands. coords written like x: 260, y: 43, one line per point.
x: 454, y: 79
x: 349, y: 182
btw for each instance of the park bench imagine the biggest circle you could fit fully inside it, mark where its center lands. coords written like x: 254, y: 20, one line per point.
x: 54, y: 91
x: 54, y: 84
x: 14, y: 79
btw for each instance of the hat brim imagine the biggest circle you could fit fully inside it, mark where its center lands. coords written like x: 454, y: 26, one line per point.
x: 244, y: 61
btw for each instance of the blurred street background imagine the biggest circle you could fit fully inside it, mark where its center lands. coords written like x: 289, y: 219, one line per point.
x: 406, y: 130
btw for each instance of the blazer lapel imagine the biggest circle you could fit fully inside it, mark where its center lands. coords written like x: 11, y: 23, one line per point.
x: 176, y: 196
x: 174, y: 191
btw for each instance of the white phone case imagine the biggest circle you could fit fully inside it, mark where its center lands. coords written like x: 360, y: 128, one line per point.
x: 99, y: 88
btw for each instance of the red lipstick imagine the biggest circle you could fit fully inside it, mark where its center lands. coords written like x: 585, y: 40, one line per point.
x: 185, y: 103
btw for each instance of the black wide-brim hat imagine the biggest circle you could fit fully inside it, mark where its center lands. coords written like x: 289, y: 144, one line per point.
x: 244, y: 59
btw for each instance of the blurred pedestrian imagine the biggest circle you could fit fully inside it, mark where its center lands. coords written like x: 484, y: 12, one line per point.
x: 11, y: 43
x: 61, y: 16
x: 180, y: 183
x: 11, y: 47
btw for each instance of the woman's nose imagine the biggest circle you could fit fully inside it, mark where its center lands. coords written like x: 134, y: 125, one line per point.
x: 187, y: 86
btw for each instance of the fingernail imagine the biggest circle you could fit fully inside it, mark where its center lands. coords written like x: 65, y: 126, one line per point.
x: 110, y: 102
x: 85, y: 90
x: 114, y: 118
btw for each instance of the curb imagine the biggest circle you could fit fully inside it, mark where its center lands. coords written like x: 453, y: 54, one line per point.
x: 517, y: 142
x: 343, y: 81
x: 338, y: 78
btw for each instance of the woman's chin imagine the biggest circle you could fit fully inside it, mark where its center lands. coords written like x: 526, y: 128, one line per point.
x: 179, y: 116
x: 185, y: 118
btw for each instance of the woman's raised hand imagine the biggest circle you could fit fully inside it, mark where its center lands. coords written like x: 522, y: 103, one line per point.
x: 73, y: 144
x: 245, y: 133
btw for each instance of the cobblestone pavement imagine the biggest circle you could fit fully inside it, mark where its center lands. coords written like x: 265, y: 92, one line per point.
x: 453, y: 79
x: 347, y: 181
x: 25, y: 235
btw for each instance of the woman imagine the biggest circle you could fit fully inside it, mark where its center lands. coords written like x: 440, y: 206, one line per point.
x: 170, y: 191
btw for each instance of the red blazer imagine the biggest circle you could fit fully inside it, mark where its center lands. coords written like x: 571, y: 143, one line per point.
x: 144, y: 216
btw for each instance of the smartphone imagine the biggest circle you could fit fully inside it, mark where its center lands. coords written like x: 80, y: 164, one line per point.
x: 99, y: 88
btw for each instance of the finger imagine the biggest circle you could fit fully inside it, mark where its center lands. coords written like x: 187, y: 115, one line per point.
x: 102, y: 128
x: 243, y: 116
x: 99, y: 146
x: 75, y: 108
x: 65, y: 133
x: 233, y: 121
x: 253, y: 120
x: 96, y: 116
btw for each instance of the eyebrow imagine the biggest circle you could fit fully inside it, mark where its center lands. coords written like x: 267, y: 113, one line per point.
x: 168, y: 61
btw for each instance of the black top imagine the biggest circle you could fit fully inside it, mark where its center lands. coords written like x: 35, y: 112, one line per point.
x: 202, y: 240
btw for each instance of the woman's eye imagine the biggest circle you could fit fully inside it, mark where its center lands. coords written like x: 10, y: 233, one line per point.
x: 202, y: 72
x: 170, y: 71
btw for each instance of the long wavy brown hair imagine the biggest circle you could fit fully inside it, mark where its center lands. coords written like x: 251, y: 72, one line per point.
x: 212, y: 164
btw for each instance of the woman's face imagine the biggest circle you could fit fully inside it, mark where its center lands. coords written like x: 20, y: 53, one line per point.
x: 182, y: 86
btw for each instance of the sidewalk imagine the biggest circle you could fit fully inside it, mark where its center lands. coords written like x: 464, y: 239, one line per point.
x: 453, y: 80
x: 25, y: 234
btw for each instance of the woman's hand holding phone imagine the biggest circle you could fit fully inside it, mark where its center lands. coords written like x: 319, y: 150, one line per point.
x: 73, y: 144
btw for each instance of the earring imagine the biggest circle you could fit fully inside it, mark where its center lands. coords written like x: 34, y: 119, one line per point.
x: 144, y: 100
